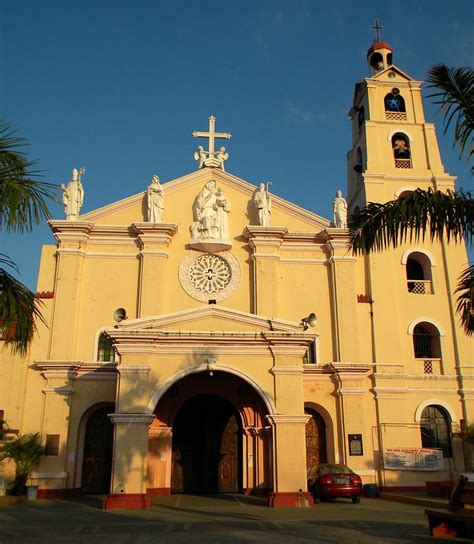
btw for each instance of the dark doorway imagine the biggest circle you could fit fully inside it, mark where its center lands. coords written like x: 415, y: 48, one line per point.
x: 316, y: 451
x: 98, y: 444
x: 207, y: 446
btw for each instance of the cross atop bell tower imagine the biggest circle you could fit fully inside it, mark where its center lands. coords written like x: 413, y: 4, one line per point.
x: 376, y: 27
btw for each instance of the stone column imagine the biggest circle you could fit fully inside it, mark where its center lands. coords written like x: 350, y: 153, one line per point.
x: 288, y: 426
x: 154, y: 239
x: 265, y: 243
x: 290, y: 487
x: 129, y: 465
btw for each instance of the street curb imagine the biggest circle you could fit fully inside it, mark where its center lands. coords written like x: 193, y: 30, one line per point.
x: 419, y: 501
x: 8, y: 500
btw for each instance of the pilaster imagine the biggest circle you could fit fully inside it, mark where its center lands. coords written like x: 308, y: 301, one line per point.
x: 265, y: 245
x: 129, y: 465
x: 72, y: 237
x: 344, y: 295
x: 153, y: 239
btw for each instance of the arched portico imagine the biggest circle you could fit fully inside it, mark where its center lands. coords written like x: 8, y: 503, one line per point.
x: 254, y: 363
x: 211, y: 434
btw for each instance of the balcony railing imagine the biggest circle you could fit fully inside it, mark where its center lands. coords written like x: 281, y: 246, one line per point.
x: 428, y: 365
x: 402, y: 163
x: 395, y: 116
x: 420, y: 287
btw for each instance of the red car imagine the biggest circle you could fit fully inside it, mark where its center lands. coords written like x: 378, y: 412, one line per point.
x: 327, y: 481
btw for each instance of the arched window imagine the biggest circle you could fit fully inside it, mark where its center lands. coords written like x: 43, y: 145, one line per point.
x: 394, y: 102
x: 105, y: 352
x: 401, y: 150
x: 418, y: 271
x: 435, y: 429
x: 426, y: 345
x: 358, y: 163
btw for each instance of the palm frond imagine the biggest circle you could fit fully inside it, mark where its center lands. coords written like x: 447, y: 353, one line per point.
x: 22, y: 198
x: 19, y: 309
x: 456, y: 102
x: 465, y: 307
x: 422, y: 214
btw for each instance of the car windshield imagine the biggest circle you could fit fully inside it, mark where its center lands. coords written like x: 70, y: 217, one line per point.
x: 334, y: 469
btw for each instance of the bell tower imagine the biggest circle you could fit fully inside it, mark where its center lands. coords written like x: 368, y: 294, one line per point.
x: 394, y: 149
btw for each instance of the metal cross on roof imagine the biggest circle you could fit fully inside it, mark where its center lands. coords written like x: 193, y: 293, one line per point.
x: 376, y: 27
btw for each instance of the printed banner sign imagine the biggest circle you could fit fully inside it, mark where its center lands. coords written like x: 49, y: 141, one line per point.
x: 412, y: 459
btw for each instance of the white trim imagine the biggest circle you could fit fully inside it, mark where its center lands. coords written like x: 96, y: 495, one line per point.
x: 430, y: 320
x: 410, y: 188
x: 400, y: 131
x: 411, y: 250
x: 431, y: 402
x: 139, y: 418
x: 177, y: 376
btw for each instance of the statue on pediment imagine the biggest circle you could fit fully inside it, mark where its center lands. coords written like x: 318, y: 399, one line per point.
x: 210, y: 211
x: 73, y: 195
x: 262, y: 200
x: 340, y: 211
x: 155, y: 201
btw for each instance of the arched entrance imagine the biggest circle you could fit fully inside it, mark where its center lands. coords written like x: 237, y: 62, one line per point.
x: 207, y: 451
x: 98, y: 447
x: 210, y: 435
x: 316, y: 450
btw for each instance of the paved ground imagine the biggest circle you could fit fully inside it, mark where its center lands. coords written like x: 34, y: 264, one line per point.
x: 212, y: 520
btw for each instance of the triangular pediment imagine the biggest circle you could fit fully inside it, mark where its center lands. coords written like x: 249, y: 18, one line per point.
x: 210, y: 318
x: 181, y: 192
x: 383, y: 75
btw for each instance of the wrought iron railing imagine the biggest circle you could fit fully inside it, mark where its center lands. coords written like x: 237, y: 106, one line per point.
x: 428, y: 365
x: 395, y: 116
x: 402, y: 163
x: 420, y: 287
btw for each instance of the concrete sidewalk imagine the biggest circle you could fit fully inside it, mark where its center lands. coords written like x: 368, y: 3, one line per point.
x: 213, y: 519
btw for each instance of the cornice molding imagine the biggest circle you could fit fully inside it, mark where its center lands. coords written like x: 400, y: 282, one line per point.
x: 136, y: 418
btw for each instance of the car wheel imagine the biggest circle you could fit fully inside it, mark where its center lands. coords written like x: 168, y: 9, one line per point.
x: 356, y: 499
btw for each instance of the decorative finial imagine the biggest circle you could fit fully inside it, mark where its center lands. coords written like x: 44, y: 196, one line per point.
x: 376, y: 27
x: 211, y: 157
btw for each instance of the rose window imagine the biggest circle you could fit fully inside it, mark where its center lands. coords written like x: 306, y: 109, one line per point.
x: 210, y: 274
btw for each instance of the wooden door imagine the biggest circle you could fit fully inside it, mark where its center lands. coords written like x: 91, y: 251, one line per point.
x: 206, y: 449
x: 315, y: 440
x: 98, y: 446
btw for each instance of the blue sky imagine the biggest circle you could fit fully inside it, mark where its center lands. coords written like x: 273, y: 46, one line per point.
x: 119, y: 86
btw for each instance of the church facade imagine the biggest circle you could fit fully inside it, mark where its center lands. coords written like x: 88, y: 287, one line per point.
x: 207, y: 337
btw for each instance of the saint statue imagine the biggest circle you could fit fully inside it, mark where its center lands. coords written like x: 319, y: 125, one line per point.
x: 73, y: 196
x: 155, y: 201
x: 223, y: 208
x: 340, y: 211
x: 263, y: 203
x: 210, y: 213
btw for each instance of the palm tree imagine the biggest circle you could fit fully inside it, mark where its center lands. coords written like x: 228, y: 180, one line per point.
x: 25, y: 451
x: 22, y: 205
x: 455, y: 97
x: 431, y: 213
x: 422, y: 214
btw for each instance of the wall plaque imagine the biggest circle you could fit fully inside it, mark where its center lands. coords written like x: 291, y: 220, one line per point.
x: 355, y: 444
